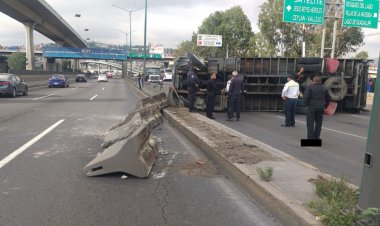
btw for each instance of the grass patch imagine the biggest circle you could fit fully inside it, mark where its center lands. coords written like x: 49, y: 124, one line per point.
x: 336, y: 203
x: 371, y: 216
x: 265, y: 174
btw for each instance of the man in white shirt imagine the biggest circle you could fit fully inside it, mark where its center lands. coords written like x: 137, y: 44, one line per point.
x: 290, y: 95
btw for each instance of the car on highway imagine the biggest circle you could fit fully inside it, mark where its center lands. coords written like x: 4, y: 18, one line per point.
x: 12, y: 85
x: 81, y: 78
x: 58, y: 81
x: 168, y: 75
x: 102, y: 78
x: 109, y: 74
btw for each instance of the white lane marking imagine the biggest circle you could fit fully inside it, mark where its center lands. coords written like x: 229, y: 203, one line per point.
x: 21, y: 149
x: 163, y: 172
x: 92, y: 98
x: 358, y: 116
x: 333, y: 130
x: 103, y: 88
x: 37, y: 98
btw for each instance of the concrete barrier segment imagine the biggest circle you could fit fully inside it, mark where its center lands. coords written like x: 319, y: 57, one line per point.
x: 122, y: 132
x: 135, y: 155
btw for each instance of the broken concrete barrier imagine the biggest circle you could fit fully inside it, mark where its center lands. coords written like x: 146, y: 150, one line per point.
x: 134, y: 155
x: 128, y: 146
x: 122, y: 132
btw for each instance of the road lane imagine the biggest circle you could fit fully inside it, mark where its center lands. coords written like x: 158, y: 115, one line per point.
x: 341, y: 154
x: 46, y: 185
x: 20, y: 150
x: 329, y: 129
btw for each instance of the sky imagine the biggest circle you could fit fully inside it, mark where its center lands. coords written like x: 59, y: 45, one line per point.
x: 168, y: 22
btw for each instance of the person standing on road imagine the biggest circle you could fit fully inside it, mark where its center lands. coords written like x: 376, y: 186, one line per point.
x: 290, y: 95
x: 234, y: 92
x: 193, y: 84
x: 211, y: 95
x: 316, y: 98
x: 226, y: 92
x: 139, y: 81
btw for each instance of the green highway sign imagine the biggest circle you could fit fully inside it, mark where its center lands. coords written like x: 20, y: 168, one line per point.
x: 148, y: 56
x: 304, y: 11
x: 361, y: 13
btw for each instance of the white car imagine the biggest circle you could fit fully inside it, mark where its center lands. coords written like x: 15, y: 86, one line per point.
x: 102, y: 78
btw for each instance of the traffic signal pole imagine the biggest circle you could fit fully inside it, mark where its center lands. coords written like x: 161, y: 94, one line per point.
x: 369, y: 196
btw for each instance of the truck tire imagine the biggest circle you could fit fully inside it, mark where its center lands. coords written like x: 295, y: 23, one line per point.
x: 337, y: 88
x: 309, y: 60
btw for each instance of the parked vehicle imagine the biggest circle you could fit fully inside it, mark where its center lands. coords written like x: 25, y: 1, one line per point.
x: 81, y: 78
x: 58, y: 81
x: 102, y: 78
x: 12, y: 85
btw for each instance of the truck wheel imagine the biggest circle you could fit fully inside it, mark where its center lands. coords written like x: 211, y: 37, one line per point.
x: 337, y: 88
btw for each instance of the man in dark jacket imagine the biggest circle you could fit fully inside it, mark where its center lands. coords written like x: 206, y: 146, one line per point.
x: 211, y: 94
x: 193, y: 83
x: 234, y: 93
x: 316, y: 98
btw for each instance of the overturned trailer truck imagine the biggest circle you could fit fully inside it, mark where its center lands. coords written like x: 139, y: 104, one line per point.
x: 264, y: 79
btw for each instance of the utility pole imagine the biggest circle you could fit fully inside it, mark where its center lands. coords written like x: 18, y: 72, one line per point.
x: 130, y: 25
x: 303, y: 41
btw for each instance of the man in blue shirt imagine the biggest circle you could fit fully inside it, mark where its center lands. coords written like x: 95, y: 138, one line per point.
x: 193, y: 83
x: 234, y: 93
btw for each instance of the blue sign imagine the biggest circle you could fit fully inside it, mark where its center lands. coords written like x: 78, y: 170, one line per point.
x: 90, y: 53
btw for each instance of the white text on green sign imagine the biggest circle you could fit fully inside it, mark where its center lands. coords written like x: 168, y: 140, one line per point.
x: 304, y: 11
x: 361, y: 13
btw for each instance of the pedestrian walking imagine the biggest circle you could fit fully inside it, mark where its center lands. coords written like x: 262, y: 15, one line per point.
x: 290, y: 95
x: 234, y: 92
x: 316, y: 98
x: 211, y: 95
x: 193, y: 84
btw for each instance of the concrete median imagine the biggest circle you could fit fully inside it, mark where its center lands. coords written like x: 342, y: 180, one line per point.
x: 285, y: 196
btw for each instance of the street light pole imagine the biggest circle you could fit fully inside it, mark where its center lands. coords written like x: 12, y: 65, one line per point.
x: 146, y: 7
x: 130, y: 26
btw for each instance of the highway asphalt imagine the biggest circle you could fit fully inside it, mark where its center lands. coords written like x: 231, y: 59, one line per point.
x: 47, y: 138
x: 344, y: 138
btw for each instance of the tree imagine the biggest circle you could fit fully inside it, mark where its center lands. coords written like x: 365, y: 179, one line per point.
x: 17, y: 61
x: 361, y: 55
x: 286, y: 38
x: 184, y: 47
x: 232, y: 24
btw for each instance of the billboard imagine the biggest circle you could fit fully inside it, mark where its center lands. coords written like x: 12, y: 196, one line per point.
x: 156, y: 49
x: 209, y: 40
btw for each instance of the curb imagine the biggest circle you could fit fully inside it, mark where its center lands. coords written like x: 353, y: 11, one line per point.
x: 286, y: 209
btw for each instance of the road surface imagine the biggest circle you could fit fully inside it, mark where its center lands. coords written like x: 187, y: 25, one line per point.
x: 47, y: 138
